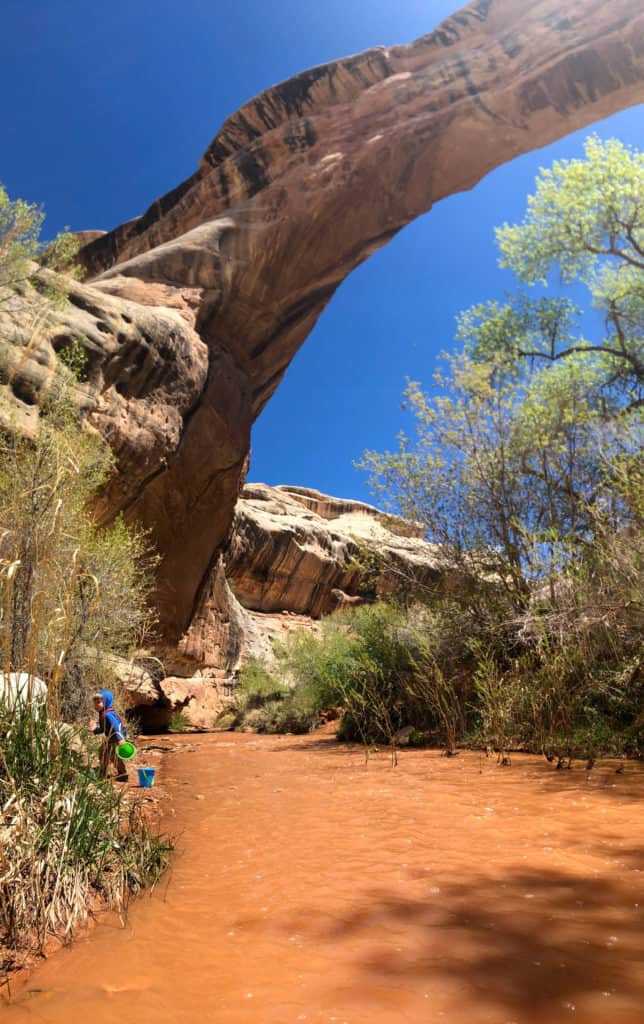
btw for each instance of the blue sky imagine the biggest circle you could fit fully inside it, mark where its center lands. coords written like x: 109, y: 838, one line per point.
x: 109, y: 105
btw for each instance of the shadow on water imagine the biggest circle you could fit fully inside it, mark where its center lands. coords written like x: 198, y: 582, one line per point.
x: 330, y: 889
x: 535, y: 943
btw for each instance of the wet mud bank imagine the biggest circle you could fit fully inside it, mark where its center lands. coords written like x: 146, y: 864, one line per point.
x: 307, y: 886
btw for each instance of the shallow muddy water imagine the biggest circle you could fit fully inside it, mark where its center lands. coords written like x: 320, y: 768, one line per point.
x: 308, y: 887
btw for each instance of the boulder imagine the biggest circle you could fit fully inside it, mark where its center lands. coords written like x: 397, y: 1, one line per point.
x: 22, y: 688
x: 136, y: 686
x: 198, y: 699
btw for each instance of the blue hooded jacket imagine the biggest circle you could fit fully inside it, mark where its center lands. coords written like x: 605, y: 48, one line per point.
x: 109, y: 721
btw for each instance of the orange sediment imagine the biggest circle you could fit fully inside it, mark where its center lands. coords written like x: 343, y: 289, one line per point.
x: 309, y: 887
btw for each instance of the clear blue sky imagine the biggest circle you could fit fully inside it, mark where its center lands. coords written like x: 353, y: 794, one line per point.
x: 107, y: 105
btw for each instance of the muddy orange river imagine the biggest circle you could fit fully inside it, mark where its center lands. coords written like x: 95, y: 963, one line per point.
x: 308, y: 887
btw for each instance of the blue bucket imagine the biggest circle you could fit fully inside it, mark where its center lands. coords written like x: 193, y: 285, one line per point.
x: 146, y: 777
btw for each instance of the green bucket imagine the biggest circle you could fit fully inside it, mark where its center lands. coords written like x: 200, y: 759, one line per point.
x: 126, y: 751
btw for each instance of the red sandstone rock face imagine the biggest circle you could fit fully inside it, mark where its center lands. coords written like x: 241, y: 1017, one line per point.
x: 195, y: 309
x: 294, y: 555
x: 315, y: 174
x: 296, y: 550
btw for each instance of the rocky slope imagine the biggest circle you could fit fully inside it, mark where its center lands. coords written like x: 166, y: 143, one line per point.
x: 193, y: 311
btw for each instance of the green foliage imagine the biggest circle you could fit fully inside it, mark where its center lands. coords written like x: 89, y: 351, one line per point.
x: 518, y: 449
x: 319, y: 665
x: 257, y: 685
x: 179, y: 722
x: 586, y: 220
x: 69, y: 590
x: 500, y: 472
x: 226, y: 720
x: 20, y: 225
x: 356, y: 653
x: 292, y: 713
x: 583, y: 211
x: 544, y: 681
x: 20, y: 245
x: 378, y: 663
x: 65, y: 831
x: 266, y: 704
x: 74, y: 357
x: 526, y: 471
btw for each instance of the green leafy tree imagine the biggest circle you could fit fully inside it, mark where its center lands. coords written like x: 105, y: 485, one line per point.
x: 516, y: 454
x: 501, y: 472
x: 584, y: 223
x: 526, y: 467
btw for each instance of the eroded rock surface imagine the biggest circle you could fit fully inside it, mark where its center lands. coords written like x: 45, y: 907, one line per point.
x: 195, y: 309
x: 294, y: 555
x: 300, y: 551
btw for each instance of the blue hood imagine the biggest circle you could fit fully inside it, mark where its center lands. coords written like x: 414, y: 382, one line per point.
x: 110, y: 722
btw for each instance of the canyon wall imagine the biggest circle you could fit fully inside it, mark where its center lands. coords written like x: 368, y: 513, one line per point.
x: 296, y: 552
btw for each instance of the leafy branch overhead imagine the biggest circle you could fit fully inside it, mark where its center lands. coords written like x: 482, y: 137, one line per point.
x: 584, y: 226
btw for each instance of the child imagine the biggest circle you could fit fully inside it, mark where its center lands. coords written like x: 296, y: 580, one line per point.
x: 110, y: 725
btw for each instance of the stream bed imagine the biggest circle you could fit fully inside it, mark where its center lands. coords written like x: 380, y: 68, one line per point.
x: 310, y: 887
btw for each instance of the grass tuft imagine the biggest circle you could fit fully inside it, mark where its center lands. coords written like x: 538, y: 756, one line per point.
x: 66, y: 834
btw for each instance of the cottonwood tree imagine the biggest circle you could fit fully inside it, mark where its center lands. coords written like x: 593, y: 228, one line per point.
x: 528, y: 433
x: 584, y: 226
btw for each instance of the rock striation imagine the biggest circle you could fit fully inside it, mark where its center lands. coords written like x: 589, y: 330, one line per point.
x: 295, y: 555
x: 300, y: 551
x: 192, y: 312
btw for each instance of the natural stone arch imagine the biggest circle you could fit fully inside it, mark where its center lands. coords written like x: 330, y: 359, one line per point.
x: 194, y: 310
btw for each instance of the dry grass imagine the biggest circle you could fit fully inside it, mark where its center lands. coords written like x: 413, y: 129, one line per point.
x: 66, y: 835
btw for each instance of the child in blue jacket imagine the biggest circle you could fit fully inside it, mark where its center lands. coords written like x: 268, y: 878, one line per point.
x: 111, y: 727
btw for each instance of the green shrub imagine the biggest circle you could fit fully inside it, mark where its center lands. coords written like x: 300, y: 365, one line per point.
x: 296, y: 713
x: 291, y: 712
x: 318, y: 665
x: 65, y: 830
x: 459, y: 677
x: 257, y: 685
x: 226, y: 720
x: 362, y: 661
x: 179, y: 722
x: 262, y: 719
